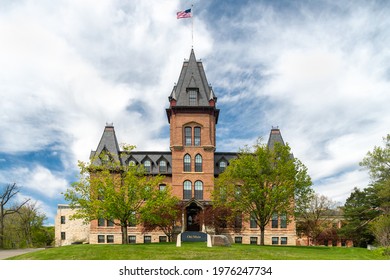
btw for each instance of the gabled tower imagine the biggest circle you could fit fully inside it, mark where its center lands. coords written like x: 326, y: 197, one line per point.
x: 193, y: 116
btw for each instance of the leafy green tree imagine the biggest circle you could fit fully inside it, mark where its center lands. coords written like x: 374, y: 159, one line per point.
x: 161, y: 212
x: 112, y: 192
x: 262, y: 183
x: 377, y: 162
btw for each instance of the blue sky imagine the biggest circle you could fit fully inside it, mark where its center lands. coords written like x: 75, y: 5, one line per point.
x: 317, y: 69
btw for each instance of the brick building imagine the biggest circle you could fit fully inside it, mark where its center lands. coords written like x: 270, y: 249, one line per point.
x: 190, y: 166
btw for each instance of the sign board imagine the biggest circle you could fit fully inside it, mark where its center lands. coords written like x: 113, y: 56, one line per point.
x: 193, y: 236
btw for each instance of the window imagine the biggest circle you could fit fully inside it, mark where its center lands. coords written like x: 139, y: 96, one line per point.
x: 253, y: 222
x: 147, y: 166
x: 198, y: 190
x: 187, y: 190
x: 101, y: 222
x: 110, y: 239
x: 197, y: 136
x: 275, y: 240
x: 274, y: 220
x: 162, y: 239
x: 193, y: 97
x: 253, y: 240
x: 162, y: 187
x: 283, y: 220
x: 62, y: 220
x: 187, y: 163
x: 187, y: 136
x: 110, y: 223
x: 132, y: 239
x: 222, y: 166
x: 147, y: 239
x: 283, y: 240
x: 63, y: 235
x: 238, y: 239
x: 163, y: 166
x: 198, y: 163
x: 132, y: 163
x: 100, y: 238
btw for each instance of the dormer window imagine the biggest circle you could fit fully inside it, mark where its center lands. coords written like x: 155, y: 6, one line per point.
x: 163, y: 166
x: 193, y: 97
x: 147, y: 166
x: 222, y: 166
x: 105, y: 157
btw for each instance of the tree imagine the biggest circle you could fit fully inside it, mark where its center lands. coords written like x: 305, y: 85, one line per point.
x: 262, y: 183
x: 161, y: 212
x: 380, y: 227
x: 360, y: 208
x: 30, y: 222
x: 378, y: 164
x: 6, y: 196
x: 25, y: 228
x: 316, y: 220
x: 112, y: 192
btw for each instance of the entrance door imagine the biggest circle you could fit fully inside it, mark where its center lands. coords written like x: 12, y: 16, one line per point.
x: 192, y: 220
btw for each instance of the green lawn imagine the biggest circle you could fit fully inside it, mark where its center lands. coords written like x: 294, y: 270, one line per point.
x: 199, y: 251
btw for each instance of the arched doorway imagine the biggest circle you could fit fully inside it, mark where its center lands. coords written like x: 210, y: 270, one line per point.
x: 192, y: 221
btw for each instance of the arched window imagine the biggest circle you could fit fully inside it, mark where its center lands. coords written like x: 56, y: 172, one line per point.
x: 197, y: 136
x: 198, y: 163
x: 199, y: 190
x: 187, y: 190
x: 188, y: 136
x: 163, y: 166
x: 147, y: 166
x: 187, y: 163
x: 132, y: 162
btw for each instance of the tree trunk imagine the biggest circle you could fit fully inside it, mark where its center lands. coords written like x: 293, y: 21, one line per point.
x: 262, y: 230
x: 125, y: 239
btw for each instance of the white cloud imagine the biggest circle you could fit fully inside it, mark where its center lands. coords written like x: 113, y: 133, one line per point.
x: 37, y: 179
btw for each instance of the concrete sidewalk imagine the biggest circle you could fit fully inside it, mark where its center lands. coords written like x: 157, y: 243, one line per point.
x: 4, y: 254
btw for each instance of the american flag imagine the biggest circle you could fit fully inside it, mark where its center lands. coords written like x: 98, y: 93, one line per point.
x: 184, y: 14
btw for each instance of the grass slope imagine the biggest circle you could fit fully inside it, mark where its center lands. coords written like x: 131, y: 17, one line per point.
x: 199, y: 251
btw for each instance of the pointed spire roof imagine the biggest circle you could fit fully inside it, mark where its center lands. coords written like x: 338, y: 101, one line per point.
x: 192, y: 77
x: 108, y: 143
x: 274, y: 137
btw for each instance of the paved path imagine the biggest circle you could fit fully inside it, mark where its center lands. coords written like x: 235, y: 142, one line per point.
x: 10, y: 253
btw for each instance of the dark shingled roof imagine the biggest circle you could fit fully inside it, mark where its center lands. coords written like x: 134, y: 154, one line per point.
x: 192, y: 76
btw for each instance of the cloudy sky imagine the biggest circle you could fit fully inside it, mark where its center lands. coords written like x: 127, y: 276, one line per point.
x: 319, y: 70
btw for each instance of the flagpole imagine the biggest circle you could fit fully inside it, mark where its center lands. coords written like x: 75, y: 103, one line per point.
x: 192, y: 29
